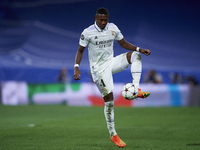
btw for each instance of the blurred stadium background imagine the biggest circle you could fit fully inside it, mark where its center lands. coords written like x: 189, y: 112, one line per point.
x: 39, y: 37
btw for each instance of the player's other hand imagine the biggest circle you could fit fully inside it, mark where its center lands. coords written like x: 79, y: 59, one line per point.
x: 77, y: 73
x: 145, y: 51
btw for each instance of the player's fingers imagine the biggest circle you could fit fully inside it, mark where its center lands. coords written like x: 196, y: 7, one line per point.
x: 148, y: 52
x: 76, y: 77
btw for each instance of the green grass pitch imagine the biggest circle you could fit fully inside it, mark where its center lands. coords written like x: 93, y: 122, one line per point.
x: 59, y: 127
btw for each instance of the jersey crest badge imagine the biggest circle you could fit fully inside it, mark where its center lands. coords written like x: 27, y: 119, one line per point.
x: 113, y: 34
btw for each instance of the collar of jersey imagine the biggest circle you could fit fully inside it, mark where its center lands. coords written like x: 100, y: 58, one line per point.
x: 99, y: 29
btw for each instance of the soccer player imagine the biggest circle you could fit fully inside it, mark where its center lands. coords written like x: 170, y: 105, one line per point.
x: 99, y: 38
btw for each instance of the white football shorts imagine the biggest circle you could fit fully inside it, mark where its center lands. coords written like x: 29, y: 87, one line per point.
x: 104, y: 79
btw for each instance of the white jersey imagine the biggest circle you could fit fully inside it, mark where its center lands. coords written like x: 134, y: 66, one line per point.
x: 100, y: 45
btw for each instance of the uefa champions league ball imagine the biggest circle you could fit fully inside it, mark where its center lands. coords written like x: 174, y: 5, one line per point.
x: 129, y: 91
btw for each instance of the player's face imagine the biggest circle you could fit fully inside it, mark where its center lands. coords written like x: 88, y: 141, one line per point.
x: 101, y: 20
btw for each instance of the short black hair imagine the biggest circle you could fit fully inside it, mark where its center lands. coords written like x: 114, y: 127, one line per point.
x: 102, y: 10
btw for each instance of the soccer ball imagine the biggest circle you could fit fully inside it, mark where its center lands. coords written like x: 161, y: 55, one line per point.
x: 129, y: 91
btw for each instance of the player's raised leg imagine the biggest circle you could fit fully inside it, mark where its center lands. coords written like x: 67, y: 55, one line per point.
x: 136, y: 69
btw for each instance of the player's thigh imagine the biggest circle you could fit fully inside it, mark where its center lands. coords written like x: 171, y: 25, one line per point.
x: 119, y: 63
x: 104, y: 81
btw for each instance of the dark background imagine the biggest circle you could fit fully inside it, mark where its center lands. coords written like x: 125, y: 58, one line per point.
x: 39, y: 37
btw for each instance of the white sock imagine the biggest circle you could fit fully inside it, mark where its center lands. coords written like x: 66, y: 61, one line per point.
x: 109, y: 115
x: 136, y: 68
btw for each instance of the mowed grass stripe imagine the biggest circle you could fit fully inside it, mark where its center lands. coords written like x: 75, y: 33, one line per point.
x: 59, y: 127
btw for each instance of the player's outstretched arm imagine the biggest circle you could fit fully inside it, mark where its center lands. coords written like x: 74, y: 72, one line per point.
x: 123, y: 43
x: 78, y: 58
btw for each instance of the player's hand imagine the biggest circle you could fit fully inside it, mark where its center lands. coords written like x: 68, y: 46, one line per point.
x: 145, y: 51
x: 77, y: 73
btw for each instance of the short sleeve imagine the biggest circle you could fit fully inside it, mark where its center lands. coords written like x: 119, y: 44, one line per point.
x: 83, y: 41
x: 119, y: 35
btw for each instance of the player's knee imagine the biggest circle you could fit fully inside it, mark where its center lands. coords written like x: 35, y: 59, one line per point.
x: 108, y: 97
x: 139, y: 56
x: 135, y: 56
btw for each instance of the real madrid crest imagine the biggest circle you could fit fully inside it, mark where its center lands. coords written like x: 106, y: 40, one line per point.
x: 112, y: 33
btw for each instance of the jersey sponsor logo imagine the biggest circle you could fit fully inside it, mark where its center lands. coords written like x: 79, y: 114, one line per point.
x: 106, y: 43
x: 82, y: 37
